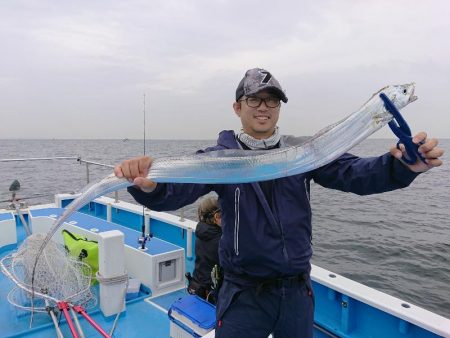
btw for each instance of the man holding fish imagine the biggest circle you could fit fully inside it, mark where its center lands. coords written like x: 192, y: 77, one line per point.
x: 265, y: 249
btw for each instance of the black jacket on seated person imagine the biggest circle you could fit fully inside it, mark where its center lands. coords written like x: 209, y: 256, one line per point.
x: 206, y: 252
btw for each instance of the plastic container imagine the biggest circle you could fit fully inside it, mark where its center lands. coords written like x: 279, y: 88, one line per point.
x: 191, y: 316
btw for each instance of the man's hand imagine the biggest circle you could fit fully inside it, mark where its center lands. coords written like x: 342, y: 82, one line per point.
x: 428, y: 149
x: 136, y: 171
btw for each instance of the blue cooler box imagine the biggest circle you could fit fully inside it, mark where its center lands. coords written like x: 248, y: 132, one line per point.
x: 191, y: 316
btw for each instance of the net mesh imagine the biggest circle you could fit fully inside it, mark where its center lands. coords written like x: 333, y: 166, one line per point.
x: 57, y: 276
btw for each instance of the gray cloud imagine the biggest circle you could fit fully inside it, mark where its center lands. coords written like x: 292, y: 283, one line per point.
x: 80, y: 69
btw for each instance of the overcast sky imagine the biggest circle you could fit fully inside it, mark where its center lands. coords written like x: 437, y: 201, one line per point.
x: 79, y: 69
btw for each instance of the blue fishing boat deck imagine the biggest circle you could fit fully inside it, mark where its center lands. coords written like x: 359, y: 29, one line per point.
x: 155, y: 246
x: 136, y: 322
x: 6, y: 216
x: 343, y: 308
x: 140, y: 313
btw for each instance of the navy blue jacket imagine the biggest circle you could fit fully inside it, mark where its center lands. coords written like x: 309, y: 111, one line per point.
x: 260, y: 242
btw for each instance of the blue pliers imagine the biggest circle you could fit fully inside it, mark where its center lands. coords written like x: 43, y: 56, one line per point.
x: 401, y: 129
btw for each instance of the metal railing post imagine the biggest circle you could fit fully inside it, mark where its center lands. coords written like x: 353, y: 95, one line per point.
x: 182, y: 215
x: 87, y: 172
x: 189, y: 244
x: 109, y: 212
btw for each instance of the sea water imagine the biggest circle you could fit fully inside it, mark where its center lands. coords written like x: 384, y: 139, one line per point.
x: 396, y: 242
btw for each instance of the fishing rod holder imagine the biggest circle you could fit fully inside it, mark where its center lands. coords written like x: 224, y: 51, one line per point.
x: 23, y: 205
x: 142, y: 240
x: 13, y: 206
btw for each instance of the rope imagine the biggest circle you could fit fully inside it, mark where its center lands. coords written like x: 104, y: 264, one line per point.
x: 112, y: 280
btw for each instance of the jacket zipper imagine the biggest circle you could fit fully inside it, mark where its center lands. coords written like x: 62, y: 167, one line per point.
x: 280, y: 226
x: 237, y: 194
x: 306, y: 189
x: 309, y: 201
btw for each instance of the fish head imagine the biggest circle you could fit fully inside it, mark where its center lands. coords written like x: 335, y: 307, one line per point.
x: 401, y: 95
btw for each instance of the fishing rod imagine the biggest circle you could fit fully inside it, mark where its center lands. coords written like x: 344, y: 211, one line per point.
x: 144, y: 237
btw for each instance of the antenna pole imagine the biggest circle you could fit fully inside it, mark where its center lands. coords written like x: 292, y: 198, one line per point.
x: 144, y: 124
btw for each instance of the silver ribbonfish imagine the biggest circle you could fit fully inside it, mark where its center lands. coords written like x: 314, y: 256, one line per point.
x: 244, y: 166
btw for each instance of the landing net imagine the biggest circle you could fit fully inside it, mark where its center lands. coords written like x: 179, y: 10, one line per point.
x: 57, y: 276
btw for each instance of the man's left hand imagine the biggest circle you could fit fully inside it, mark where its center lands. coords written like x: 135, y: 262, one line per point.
x: 428, y: 149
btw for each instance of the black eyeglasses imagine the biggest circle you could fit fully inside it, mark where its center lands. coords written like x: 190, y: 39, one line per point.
x: 255, y: 102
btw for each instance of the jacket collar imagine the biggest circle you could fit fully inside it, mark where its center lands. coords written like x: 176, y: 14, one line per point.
x: 227, y: 139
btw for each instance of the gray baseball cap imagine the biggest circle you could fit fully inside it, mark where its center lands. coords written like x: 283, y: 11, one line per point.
x: 258, y: 79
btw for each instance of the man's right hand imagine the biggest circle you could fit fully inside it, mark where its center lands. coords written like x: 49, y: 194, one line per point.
x: 135, y: 170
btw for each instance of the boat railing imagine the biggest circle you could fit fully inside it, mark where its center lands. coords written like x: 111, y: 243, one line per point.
x: 81, y: 161
x: 77, y: 158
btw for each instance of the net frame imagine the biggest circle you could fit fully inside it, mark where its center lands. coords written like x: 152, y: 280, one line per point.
x: 57, y: 276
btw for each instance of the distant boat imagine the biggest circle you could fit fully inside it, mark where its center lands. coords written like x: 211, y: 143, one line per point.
x: 125, y: 139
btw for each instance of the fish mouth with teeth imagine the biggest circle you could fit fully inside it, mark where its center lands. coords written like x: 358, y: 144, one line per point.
x: 413, y: 97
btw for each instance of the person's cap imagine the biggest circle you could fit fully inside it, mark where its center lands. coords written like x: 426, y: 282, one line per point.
x: 256, y: 80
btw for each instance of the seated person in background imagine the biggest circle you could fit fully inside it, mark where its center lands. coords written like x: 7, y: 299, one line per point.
x: 208, y: 233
